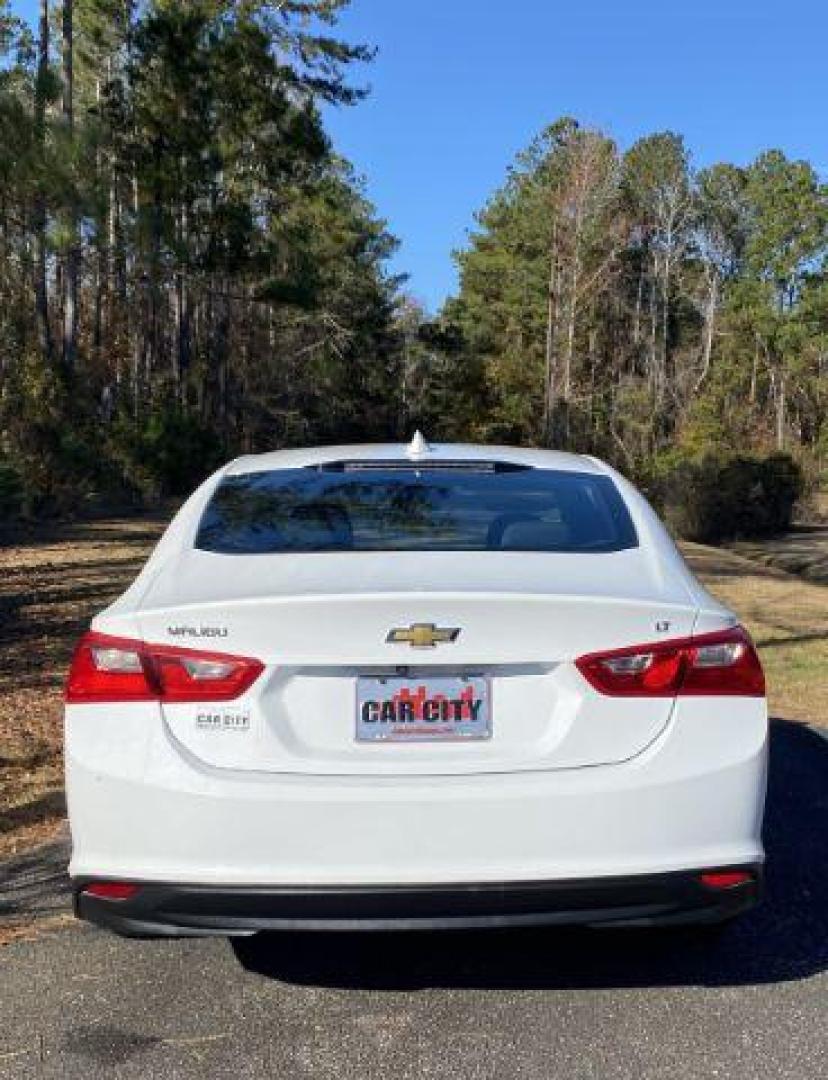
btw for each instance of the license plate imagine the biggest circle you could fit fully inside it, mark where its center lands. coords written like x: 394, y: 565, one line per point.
x: 433, y: 709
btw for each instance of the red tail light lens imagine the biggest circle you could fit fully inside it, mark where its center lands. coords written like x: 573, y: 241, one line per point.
x: 108, y: 669
x: 725, y: 879
x: 119, y: 669
x: 111, y: 890
x: 723, y: 663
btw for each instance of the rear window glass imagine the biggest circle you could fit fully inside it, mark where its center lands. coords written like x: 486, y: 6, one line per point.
x: 375, y: 508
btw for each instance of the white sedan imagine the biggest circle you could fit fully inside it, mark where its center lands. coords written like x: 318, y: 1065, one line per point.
x: 414, y: 687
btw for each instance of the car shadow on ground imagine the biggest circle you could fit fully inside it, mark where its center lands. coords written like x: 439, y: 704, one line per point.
x: 786, y: 938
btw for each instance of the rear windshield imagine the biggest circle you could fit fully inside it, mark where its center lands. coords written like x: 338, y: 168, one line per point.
x: 371, y: 508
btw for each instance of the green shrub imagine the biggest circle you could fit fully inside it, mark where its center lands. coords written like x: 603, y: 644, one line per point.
x: 51, y: 463
x: 712, y: 499
x: 166, y: 455
x: 11, y: 492
x: 58, y: 459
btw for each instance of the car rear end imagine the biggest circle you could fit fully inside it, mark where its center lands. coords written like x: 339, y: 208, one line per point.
x: 358, y: 690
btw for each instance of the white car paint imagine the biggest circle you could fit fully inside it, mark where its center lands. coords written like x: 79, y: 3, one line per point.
x: 573, y: 784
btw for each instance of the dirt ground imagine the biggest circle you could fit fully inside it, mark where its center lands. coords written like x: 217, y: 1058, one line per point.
x: 53, y: 581
x: 51, y: 584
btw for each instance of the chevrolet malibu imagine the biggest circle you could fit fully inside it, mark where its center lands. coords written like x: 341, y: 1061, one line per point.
x: 414, y: 687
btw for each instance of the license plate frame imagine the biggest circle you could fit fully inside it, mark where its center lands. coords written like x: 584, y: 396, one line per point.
x: 446, y: 727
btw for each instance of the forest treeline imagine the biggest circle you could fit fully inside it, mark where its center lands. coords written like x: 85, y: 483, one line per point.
x: 189, y: 271
x: 673, y: 321
x: 629, y: 306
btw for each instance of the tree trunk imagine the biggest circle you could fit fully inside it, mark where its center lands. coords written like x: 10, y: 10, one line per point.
x: 153, y: 347
x: 183, y: 328
x: 593, y: 364
x: 39, y: 222
x: 653, y: 300
x: 664, y: 360
x: 571, y: 327
x: 102, y: 264
x: 136, y: 310
x: 754, y: 373
x: 780, y: 411
x: 551, y: 372
x: 72, y: 270
x: 711, y: 308
x: 133, y: 261
x: 639, y: 297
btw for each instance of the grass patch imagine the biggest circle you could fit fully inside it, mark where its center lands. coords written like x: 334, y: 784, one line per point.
x: 788, y: 619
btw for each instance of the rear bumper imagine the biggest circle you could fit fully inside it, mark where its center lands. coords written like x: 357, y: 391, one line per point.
x: 168, y: 910
x: 142, y: 810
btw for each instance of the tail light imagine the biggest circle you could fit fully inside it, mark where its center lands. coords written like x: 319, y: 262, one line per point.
x: 723, y: 663
x: 119, y: 669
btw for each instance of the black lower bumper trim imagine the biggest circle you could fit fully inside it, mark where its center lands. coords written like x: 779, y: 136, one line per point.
x: 196, y: 910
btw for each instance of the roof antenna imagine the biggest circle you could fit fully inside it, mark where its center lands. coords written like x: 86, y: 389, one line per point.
x: 418, y: 447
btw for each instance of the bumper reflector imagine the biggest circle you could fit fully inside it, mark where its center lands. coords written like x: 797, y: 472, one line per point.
x: 725, y: 879
x: 111, y: 890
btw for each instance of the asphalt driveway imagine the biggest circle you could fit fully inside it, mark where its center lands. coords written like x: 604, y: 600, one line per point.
x: 754, y: 1003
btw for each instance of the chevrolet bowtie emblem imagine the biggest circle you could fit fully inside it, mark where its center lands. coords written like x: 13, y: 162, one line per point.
x: 423, y: 635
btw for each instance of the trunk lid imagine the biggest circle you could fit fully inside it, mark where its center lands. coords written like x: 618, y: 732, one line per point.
x: 321, y: 621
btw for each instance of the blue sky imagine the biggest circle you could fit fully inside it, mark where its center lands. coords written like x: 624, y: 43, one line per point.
x: 460, y: 86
